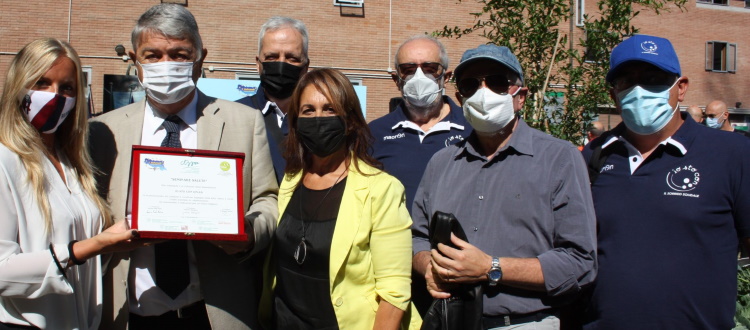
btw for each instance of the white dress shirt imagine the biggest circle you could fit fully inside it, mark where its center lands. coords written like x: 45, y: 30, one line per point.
x: 145, y: 298
x: 32, y: 289
x: 271, y: 106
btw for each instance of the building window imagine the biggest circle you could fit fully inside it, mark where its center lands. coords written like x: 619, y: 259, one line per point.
x: 88, y: 73
x: 747, y: 3
x: 349, y: 3
x: 715, y: 2
x: 580, y: 12
x: 721, y: 56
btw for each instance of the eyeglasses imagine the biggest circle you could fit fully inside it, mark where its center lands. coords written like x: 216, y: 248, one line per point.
x: 713, y: 115
x: 646, y: 80
x: 498, y: 83
x: 431, y: 68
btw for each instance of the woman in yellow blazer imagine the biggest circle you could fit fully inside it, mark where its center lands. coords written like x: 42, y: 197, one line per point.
x: 342, y: 253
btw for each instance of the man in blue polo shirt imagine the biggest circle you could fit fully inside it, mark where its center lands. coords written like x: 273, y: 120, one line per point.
x: 672, y: 202
x: 425, y: 121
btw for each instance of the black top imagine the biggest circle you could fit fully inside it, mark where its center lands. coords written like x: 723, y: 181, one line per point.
x: 303, y: 298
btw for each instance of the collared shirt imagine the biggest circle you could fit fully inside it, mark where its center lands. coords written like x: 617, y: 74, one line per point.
x: 271, y: 106
x: 145, y: 298
x: 404, y: 148
x: 668, y: 230
x: 276, y: 131
x: 531, y: 200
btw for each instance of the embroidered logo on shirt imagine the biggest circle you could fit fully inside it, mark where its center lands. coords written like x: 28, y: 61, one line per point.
x: 453, y: 139
x: 682, y: 180
x: 394, y: 137
x: 607, y: 167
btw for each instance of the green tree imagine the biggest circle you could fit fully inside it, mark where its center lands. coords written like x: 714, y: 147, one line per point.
x: 535, y: 32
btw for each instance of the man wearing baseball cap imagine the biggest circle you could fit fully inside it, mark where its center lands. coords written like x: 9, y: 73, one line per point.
x: 521, y: 196
x: 672, y: 202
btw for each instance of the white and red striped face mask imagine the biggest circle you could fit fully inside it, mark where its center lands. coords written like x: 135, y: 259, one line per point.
x: 46, y: 111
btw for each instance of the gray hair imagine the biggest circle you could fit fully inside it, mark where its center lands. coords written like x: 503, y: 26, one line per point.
x: 444, y: 61
x: 279, y: 22
x: 170, y: 20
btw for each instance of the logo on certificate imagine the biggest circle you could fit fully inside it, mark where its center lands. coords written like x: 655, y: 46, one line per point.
x: 155, y: 164
x: 224, y: 166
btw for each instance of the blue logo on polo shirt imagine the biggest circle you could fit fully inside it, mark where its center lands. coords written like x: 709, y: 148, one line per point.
x: 683, y: 179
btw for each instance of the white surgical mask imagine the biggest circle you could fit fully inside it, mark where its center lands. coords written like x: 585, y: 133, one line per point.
x: 644, y: 111
x: 421, y: 90
x: 714, y: 122
x: 46, y: 111
x: 167, y: 82
x: 489, y: 112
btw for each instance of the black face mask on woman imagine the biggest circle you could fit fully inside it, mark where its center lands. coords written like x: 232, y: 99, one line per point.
x: 321, y: 135
x: 279, y: 78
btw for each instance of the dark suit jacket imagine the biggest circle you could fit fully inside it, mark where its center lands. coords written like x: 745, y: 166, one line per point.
x: 275, y: 134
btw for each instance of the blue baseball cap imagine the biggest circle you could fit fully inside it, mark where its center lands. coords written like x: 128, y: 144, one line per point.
x: 496, y: 53
x: 644, y: 48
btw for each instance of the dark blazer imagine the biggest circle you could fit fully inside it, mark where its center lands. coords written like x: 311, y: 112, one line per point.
x: 276, y: 135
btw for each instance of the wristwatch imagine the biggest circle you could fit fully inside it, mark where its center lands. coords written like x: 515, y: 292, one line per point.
x: 495, y: 274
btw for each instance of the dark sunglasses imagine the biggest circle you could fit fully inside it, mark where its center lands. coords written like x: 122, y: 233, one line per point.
x: 645, y: 80
x: 431, y: 68
x: 498, y: 83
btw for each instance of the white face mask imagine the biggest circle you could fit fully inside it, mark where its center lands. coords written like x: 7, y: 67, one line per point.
x: 46, y: 111
x: 489, y: 112
x: 420, y: 90
x: 167, y: 82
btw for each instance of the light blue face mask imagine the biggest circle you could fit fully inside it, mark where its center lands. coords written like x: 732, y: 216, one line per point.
x: 646, y: 111
x: 714, y: 122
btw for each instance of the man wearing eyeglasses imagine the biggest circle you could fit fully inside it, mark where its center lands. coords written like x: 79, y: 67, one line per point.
x: 521, y: 196
x: 672, y: 202
x: 717, y: 116
x: 425, y: 121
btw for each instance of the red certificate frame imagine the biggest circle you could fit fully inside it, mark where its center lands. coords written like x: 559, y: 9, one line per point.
x: 187, y: 154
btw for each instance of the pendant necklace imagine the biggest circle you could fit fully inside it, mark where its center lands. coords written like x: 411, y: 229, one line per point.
x: 301, y: 252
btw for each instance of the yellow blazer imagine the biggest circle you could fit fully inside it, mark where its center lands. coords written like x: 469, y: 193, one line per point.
x: 371, y: 251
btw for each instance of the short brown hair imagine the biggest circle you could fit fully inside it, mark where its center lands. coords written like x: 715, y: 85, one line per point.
x: 339, y: 91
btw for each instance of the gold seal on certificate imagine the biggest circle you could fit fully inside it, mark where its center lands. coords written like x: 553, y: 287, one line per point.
x: 187, y: 193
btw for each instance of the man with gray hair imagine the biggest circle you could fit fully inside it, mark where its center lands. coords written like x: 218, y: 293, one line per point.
x: 422, y: 123
x: 425, y: 121
x: 282, y: 60
x: 521, y: 196
x: 178, y: 284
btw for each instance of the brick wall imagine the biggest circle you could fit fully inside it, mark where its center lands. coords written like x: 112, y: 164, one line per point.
x: 230, y: 30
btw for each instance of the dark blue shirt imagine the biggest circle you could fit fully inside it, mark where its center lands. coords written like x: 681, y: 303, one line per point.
x: 404, y: 149
x: 275, y: 134
x: 668, y: 230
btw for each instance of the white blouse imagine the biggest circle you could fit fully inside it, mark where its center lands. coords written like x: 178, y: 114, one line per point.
x: 32, y: 289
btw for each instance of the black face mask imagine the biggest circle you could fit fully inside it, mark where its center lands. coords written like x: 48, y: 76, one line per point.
x: 321, y: 135
x: 279, y: 78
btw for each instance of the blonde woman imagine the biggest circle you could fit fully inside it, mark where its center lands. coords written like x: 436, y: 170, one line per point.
x: 51, y: 218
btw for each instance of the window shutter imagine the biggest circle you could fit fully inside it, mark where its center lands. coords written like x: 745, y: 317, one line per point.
x: 709, y: 55
x: 732, y: 58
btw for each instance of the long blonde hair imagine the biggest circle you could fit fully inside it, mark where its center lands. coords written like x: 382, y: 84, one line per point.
x: 18, y: 135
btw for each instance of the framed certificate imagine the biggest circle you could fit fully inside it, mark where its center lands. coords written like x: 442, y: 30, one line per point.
x: 187, y: 193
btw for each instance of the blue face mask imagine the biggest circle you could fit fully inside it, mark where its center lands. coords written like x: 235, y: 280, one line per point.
x: 714, y: 122
x: 646, y: 111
